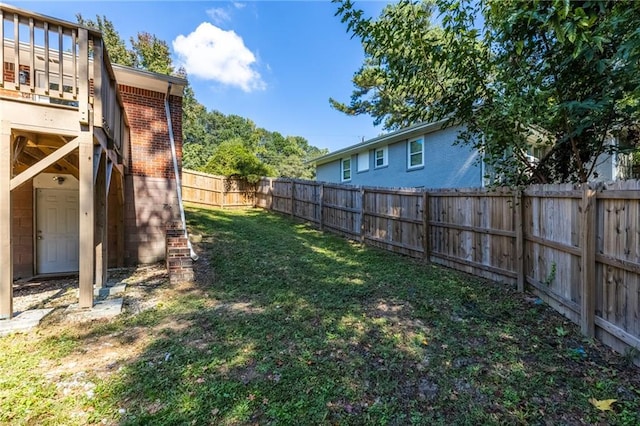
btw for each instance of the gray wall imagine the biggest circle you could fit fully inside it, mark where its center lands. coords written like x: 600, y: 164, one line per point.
x: 445, y: 166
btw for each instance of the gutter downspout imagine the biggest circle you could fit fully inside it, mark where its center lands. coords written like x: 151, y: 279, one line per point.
x: 176, y: 173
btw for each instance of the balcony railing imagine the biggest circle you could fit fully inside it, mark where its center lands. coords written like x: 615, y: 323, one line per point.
x: 48, y: 60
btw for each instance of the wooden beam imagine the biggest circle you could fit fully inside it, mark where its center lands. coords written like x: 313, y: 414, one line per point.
x: 588, y: 261
x: 100, y: 223
x: 41, y: 165
x: 6, y: 252
x: 87, y: 212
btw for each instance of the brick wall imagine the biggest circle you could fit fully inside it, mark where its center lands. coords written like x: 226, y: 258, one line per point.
x: 150, y: 189
x: 22, y: 199
x: 177, y: 258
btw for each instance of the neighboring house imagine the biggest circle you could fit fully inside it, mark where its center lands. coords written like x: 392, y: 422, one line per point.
x: 425, y: 155
x: 87, y: 175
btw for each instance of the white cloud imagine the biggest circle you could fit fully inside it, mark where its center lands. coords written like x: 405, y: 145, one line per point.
x: 239, y: 5
x: 211, y: 53
x: 218, y: 15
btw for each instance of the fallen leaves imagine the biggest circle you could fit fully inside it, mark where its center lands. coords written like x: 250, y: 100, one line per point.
x: 602, y: 405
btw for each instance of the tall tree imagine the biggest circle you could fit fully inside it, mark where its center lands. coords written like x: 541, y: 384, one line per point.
x: 555, y: 76
x: 116, y: 47
x: 232, y: 158
x: 151, y: 53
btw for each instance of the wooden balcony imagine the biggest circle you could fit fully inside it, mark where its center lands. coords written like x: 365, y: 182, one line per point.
x: 60, y: 112
x: 46, y: 61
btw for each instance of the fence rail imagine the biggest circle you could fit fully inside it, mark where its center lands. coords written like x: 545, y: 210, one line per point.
x: 575, y: 246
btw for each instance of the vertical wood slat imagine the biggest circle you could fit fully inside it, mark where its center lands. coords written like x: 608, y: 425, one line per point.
x: 363, y: 212
x: 46, y: 58
x: 588, y: 261
x: 60, y: 62
x: 321, y: 207
x: 1, y: 48
x: 520, y: 242
x: 16, y: 50
x: 6, y: 255
x: 98, y: 92
x: 83, y: 76
x: 74, y: 66
x: 292, y: 184
x: 425, y: 226
x: 32, y: 56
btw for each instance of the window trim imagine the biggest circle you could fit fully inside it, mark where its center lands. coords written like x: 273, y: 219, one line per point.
x: 410, y: 154
x: 343, y: 170
x: 385, y: 157
x: 364, y: 155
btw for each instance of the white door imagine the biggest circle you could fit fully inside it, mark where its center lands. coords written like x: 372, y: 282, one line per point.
x: 57, y: 231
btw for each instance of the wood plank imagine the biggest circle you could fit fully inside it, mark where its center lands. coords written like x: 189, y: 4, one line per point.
x: 425, y: 226
x: 552, y: 244
x: 520, y: 241
x: 620, y: 194
x: 628, y: 338
x: 6, y: 219
x: 41, y: 165
x: 577, y: 194
x: 83, y: 76
x: 572, y: 306
x: 16, y: 51
x: 394, y: 217
x: 588, y: 263
x: 490, y: 231
x: 394, y: 244
x: 87, y: 215
x: 489, y: 268
x: 1, y: 48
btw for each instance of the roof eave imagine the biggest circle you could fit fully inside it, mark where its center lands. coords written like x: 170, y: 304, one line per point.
x: 393, y: 137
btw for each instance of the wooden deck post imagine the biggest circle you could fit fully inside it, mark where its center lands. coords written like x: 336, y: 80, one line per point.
x: 6, y: 252
x: 518, y: 211
x: 588, y: 261
x: 87, y: 213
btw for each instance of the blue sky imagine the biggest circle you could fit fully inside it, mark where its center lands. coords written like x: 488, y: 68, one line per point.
x: 275, y: 62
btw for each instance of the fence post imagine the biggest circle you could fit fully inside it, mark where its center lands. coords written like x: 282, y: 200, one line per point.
x: 293, y: 198
x: 518, y: 211
x: 587, y: 260
x: 321, y: 204
x: 223, y: 192
x: 425, y: 227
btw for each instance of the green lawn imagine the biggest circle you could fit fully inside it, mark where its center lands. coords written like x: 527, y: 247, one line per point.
x: 286, y: 325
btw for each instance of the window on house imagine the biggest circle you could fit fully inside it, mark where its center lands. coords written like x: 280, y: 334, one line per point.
x: 381, y: 156
x: 415, y: 153
x: 346, y: 169
x: 363, y: 161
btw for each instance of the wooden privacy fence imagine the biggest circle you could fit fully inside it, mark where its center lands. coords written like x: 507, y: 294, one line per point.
x: 576, y: 247
x: 207, y: 190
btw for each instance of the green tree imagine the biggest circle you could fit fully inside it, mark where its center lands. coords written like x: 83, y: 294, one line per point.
x: 555, y: 76
x: 116, y: 47
x: 232, y: 158
x: 151, y: 53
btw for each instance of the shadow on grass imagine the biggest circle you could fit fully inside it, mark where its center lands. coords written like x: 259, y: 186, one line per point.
x: 285, y: 325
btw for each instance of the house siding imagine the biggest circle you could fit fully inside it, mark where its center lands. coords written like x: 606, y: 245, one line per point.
x: 150, y: 189
x: 445, y: 165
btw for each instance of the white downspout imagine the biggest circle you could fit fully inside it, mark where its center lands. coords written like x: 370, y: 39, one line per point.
x: 174, y: 155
